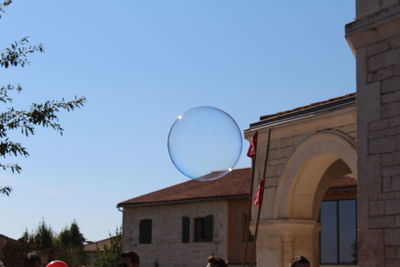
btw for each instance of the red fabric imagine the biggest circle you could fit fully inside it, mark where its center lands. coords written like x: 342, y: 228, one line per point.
x: 258, y: 198
x: 253, y: 146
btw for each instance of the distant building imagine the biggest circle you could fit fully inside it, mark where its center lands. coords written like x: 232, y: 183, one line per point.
x: 12, y: 252
x: 181, y: 225
x: 92, y: 250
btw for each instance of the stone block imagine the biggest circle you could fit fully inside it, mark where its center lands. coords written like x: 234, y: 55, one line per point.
x: 387, y: 98
x: 387, y: 184
x: 376, y: 208
x: 368, y: 103
x: 390, y: 252
x: 371, y: 248
x: 390, y: 85
x: 378, y: 48
x: 388, y: 3
x: 392, y: 263
x: 382, y: 222
x: 382, y: 145
x: 382, y: 74
x: 396, y: 182
x: 395, y: 41
x: 376, y: 62
x: 287, y: 142
x: 390, y: 110
x: 392, y: 237
x: 395, y: 121
x: 392, y: 207
x: 398, y: 222
x: 391, y: 170
x: 364, y: 8
x: 387, y: 159
x: 378, y: 125
x: 391, y: 57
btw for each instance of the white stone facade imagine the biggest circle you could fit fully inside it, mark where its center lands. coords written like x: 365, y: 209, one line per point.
x: 306, y: 155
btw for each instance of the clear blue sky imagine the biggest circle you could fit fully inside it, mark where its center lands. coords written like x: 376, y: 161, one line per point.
x: 140, y: 64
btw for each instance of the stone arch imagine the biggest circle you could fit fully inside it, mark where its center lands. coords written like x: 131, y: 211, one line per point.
x: 313, y: 166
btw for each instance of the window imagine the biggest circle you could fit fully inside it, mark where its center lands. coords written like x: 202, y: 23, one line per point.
x: 185, y: 229
x: 203, y: 229
x: 338, y: 238
x: 145, y: 226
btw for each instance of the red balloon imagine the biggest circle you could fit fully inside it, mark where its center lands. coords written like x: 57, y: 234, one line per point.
x: 57, y: 263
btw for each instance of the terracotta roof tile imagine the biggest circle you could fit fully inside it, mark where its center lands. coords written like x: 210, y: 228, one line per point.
x: 343, y: 182
x: 234, y: 184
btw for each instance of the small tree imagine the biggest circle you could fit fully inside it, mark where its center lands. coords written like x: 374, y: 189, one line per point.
x: 109, y: 255
x: 69, y: 245
x: 25, y: 121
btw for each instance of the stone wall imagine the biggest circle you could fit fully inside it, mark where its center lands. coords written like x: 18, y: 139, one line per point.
x: 306, y: 155
x: 167, y: 246
x: 285, y: 138
x: 375, y: 40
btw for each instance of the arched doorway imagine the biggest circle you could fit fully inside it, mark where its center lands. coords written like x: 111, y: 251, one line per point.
x: 294, y: 229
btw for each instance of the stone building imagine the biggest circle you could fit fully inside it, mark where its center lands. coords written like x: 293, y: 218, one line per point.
x: 309, y: 148
x: 184, y: 224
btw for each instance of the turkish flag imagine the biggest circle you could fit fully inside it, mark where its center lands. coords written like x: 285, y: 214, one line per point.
x: 253, y: 146
x: 258, y: 198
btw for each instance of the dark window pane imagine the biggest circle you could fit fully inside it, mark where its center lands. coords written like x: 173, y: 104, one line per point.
x: 185, y: 229
x: 329, y: 232
x: 199, y: 233
x: 208, y: 230
x: 145, y: 226
x: 347, y: 234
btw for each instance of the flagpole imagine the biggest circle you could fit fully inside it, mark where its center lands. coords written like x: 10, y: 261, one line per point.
x: 263, y: 180
x: 246, y: 227
x: 252, y: 153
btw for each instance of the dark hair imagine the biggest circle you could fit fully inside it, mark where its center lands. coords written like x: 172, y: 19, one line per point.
x: 132, y: 256
x: 32, y: 258
x: 299, y: 260
x: 218, y: 261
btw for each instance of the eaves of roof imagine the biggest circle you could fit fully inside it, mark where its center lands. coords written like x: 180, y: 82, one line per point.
x: 182, y: 201
x: 305, y: 111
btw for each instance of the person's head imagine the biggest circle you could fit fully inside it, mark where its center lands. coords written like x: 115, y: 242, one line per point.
x: 300, y: 261
x: 129, y: 259
x: 33, y: 259
x: 216, y: 262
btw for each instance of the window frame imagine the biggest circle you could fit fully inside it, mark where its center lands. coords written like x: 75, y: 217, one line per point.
x: 338, y: 263
x: 207, y: 228
x: 143, y: 223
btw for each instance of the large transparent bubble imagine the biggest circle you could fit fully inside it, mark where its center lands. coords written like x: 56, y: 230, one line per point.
x: 205, y: 143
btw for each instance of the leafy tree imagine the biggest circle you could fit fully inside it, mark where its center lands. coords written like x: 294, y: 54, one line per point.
x: 69, y: 245
x: 108, y: 255
x: 25, y: 121
x: 43, y: 238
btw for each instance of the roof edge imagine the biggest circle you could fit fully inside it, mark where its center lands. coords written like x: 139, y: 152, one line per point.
x: 182, y: 201
x: 324, y: 106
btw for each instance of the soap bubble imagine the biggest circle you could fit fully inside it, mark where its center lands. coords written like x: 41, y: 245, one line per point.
x: 205, y: 143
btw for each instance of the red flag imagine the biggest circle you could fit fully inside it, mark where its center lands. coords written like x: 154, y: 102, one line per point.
x: 253, y: 146
x: 258, y: 198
